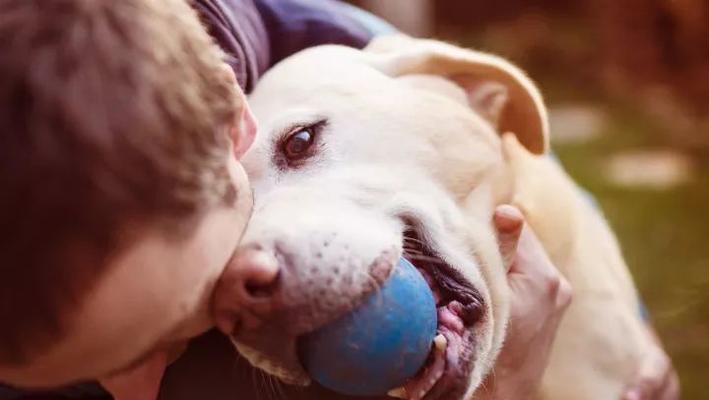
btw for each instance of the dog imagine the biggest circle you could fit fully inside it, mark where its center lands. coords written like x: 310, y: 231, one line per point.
x: 406, y: 147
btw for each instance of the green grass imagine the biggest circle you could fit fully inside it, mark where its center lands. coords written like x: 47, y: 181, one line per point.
x: 664, y: 236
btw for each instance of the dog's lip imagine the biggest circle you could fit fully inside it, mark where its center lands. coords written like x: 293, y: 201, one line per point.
x: 445, y: 374
x: 453, y: 383
x: 456, y: 296
x: 447, y: 282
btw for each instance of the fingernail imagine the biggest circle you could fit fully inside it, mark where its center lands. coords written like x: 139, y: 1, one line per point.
x: 508, y: 218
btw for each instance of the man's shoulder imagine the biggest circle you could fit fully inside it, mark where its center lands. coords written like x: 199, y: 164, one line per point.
x: 256, y: 34
x: 238, y: 28
x: 297, y: 24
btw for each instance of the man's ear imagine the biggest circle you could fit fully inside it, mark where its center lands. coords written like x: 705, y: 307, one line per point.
x: 243, y: 130
x: 496, y: 89
x: 227, y: 74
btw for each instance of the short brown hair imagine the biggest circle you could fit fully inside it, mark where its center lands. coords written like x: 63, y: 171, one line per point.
x: 111, y: 111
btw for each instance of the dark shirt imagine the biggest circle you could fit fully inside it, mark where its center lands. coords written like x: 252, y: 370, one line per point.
x: 256, y: 34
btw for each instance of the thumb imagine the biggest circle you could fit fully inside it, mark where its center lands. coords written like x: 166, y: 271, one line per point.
x: 508, y: 221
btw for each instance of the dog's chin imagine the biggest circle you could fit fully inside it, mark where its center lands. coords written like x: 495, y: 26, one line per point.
x: 447, y: 374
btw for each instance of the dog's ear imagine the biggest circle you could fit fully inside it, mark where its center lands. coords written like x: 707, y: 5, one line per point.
x: 496, y: 89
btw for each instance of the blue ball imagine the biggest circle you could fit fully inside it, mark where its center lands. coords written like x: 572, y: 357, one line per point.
x: 380, y: 344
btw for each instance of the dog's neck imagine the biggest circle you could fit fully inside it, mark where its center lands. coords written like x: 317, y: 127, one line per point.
x: 547, y: 197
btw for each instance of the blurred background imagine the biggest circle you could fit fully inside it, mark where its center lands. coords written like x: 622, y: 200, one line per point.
x: 628, y: 87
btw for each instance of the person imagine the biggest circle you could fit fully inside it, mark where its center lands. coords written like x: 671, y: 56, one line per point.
x: 123, y: 198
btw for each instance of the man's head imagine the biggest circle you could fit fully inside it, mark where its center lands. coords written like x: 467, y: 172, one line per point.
x: 122, y: 199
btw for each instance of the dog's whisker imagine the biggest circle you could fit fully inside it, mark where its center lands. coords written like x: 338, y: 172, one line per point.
x: 412, y: 239
x: 257, y: 378
x: 484, y: 384
x: 413, y: 250
x: 265, y: 388
x: 267, y: 384
x: 274, y: 386
x: 279, y: 388
x: 413, y: 245
x: 422, y: 257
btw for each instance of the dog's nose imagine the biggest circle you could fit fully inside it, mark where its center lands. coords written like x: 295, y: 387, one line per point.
x: 245, y: 291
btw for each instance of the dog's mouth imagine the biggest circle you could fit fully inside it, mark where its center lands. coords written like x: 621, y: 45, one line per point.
x: 460, y: 308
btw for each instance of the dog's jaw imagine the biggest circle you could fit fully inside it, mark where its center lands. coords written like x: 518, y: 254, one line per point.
x: 477, y: 259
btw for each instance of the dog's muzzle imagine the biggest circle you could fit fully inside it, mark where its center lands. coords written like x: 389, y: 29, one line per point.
x: 271, y: 294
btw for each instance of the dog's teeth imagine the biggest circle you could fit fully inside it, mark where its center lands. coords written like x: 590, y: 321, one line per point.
x: 399, y: 393
x: 440, y: 342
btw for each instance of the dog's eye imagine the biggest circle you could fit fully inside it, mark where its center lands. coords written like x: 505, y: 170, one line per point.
x: 298, y: 144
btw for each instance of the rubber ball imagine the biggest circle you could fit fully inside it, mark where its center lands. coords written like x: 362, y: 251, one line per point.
x: 381, y: 343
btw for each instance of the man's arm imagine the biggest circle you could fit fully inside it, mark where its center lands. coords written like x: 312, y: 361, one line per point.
x: 256, y: 34
x: 297, y: 24
x: 540, y: 295
x: 238, y: 28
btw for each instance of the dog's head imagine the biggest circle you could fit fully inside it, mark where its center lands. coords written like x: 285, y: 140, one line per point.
x: 363, y: 156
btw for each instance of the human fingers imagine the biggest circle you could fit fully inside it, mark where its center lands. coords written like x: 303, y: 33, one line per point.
x: 508, y: 221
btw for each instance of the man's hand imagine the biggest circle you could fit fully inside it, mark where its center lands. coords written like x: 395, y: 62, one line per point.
x: 540, y: 295
x: 656, y: 379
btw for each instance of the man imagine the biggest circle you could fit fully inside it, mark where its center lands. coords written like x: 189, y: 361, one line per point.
x: 123, y: 198
x: 122, y: 195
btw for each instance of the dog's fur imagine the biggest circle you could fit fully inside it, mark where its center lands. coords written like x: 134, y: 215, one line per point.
x: 418, y: 130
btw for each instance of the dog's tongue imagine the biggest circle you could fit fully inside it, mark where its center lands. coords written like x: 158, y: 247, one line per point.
x: 139, y: 383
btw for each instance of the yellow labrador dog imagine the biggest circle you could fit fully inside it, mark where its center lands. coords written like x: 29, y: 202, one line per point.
x: 407, y: 147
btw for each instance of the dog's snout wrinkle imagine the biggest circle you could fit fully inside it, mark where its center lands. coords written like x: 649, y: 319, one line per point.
x: 381, y: 268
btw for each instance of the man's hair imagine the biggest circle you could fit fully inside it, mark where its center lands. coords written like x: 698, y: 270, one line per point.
x: 113, y: 114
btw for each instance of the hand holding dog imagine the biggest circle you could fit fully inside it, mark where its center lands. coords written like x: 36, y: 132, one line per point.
x: 656, y: 379
x: 540, y: 295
